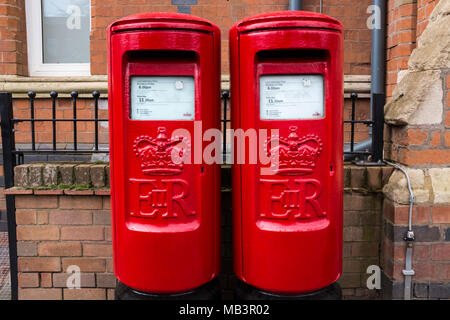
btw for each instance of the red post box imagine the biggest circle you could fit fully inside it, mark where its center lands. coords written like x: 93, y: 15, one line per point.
x: 287, y: 75
x: 164, y: 75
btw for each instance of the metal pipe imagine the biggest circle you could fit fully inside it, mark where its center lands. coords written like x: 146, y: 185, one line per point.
x: 378, y: 48
x: 408, y: 272
x: 295, y: 4
x: 377, y: 89
x: 361, y: 146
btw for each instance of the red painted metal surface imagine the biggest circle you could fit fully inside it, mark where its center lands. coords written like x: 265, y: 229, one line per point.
x: 166, y: 233
x: 288, y: 226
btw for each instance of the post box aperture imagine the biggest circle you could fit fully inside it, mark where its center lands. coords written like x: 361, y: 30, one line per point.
x: 164, y: 78
x: 287, y: 79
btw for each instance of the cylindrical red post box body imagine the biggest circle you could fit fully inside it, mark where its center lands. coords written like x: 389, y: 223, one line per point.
x: 164, y: 79
x: 287, y: 79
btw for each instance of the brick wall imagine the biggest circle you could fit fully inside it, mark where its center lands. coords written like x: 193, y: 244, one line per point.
x: 401, y: 39
x: 362, y: 228
x: 13, y: 44
x: 55, y: 231
x: 60, y: 227
x: 352, y: 14
x: 418, y: 137
x: 406, y: 20
x: 427, y: 143
x: 431, y: 250
x: 224, y: 14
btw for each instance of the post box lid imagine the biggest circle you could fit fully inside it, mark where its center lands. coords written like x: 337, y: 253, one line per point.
x: 288, y: 19
x: 162, y: 20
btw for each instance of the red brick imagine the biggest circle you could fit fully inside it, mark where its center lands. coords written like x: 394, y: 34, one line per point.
x: 48, y: 192
x: 447, y: 117
x: 424, y: 270
x: 421, y: 215
x: 108, y: 234
x: 28, y: 280
x: 39, y: 264
x: 85, y: 264
x: 419, y: 157
x: 97, y: 250
x: 80, y: 202
x: 106, y: 280
x: 435, y: 139
x: 79, y: 192
x: 447, y: 103
x: 106, y: 202
x: 440, y: 215
x: 26, y: 248
x: 365, y: 249
x: 447, y: 139
x: 82, y: 233
x: 440, y: 251
x: 40, y: 294
x: 85, y: 294
x: 59, y: 249
x: 102, y: 217
x: 42, y: 217
x: 87, y: 280
x: 41, y: 232
x: 46, y: 280
x: 421, y: 252
x: 111, y: 294
x: 32, y: 202
x: 102, y: 192
x: 25, y: 217
x: 65, y: 217
x: 444, y: 271
x: 410, y: 136
x: 109, y: 265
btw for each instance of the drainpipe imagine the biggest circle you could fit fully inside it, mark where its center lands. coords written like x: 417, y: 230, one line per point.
x: 295, y: 4
x: 377, y: 89
x: 408, y: 272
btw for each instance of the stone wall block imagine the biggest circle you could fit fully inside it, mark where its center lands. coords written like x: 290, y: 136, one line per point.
x: 35, y: 175
x: 21, y: 176
x: 66, y: 173
x: 98, y: 175
x: 83, y: 175
x: 50, y: 175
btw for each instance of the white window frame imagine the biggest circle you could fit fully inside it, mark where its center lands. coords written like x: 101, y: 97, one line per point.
x: 36, y: 66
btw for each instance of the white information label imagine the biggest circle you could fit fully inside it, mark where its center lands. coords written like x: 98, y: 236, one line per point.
x: 291, y: 97
x: 162, y: 98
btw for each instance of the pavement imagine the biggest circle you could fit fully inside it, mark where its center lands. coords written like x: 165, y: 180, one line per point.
x: 5, y: 284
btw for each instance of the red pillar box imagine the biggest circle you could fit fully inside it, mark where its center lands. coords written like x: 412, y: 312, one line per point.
x: 287, y: 75
x: 164, y: 75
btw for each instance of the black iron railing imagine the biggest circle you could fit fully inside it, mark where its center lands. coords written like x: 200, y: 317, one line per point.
x: 13, y: 156
x: 54, y: 120
x: 371, y: 150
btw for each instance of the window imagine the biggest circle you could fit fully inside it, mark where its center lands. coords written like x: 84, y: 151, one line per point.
x: 58, y: 37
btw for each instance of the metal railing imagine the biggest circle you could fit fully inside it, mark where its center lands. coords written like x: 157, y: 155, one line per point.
x: 372, y: 149
x: 13, y: 156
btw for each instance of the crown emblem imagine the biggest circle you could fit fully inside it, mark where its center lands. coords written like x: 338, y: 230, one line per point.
x: 156, y: 153
x: 295, y: 155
